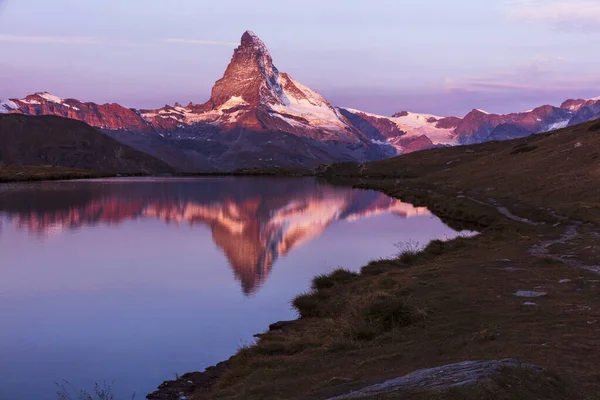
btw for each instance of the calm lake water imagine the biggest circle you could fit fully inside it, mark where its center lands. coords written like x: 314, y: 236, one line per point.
x: 133, y: 280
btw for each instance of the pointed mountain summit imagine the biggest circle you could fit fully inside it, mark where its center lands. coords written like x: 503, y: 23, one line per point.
x: 253, y: 94
x: 250, y: 75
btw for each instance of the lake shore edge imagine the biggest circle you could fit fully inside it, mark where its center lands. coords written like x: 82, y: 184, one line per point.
x: 523, y: 288
x: 198, y: 385
x: 13, y: 174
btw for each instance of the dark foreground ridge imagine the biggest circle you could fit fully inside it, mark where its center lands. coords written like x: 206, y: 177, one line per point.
x: 535, y: 201
x: 65, y: 143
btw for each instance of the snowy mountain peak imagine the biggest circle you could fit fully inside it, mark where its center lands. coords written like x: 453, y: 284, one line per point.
x: 577, y: 104
x: 49, y: 97
x: 7, y: 106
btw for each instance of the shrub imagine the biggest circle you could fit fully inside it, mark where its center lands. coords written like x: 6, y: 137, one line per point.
x: 100, y: 392
x: 407, y: 251
x: 388, y: 312
x: 435, y: 247
x: 379, y: 315
x: 311, y: 304
x: 374, y: 268
x: 327, y: 281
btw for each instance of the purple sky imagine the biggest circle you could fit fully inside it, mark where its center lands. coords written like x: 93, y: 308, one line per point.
x: 381, y: 56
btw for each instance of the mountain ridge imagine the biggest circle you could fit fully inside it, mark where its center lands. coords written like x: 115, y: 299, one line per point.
x: 256, y: 114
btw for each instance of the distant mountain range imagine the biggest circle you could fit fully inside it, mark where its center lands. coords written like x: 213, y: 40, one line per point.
x: 260, y: 117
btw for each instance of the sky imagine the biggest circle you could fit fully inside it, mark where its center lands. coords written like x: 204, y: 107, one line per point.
x: 380, y: 56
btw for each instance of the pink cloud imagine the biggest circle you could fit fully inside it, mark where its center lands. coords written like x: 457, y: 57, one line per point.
x: 571, y: 15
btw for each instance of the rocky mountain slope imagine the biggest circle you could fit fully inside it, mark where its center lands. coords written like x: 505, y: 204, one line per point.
x: 259, y: 117
x: 255, y: 117
x: 410, y: 132
x: 50, y: 140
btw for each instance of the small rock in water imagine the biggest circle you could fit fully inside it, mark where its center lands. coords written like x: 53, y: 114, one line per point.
x: 529, y: 303
x: 578, y: 144
x: 529, y: 293
x: 564, y: 281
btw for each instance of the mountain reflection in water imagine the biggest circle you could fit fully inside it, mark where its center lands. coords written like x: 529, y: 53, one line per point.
x: 253, y: 221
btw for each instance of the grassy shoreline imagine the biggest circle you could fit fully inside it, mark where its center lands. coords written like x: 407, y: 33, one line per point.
x: 538, y: 216
x: 325, y: 333
x: 50, y: 173
x: 10, y: 174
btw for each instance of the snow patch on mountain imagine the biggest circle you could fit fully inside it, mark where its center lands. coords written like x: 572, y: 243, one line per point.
x: 32, y: 101
x: 7, y: 106
x: 51, y: 98
x: 307, y: 104
x: 233, y: 102
x: 417, y: 125
x: 381, y: 142
x: 558, y: 125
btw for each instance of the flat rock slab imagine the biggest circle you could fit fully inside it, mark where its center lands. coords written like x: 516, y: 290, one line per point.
x: 188, y: 384
x: 277, y: 326
x: 529, y: 293
x: 461, y: 374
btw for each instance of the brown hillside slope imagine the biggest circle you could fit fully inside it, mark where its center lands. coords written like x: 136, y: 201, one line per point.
x: 560, y: 170
x: 456, y: 300
x: 61, y: 142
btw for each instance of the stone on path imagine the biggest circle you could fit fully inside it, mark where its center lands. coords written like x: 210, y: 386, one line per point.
x: 460, y: 374
x: 529, y: 293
